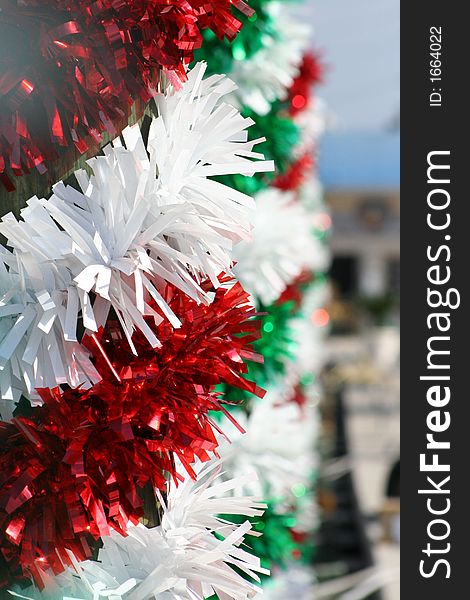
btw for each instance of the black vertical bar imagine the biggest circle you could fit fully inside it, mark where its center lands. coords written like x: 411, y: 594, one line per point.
x: 434, y: 123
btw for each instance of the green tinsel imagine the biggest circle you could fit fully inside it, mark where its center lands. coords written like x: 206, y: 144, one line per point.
x: 277, y: 343
x: 280, y: 131
x: 220, y: 54
x: 282, y: 135
x: 278, y: 347
x: 276, y: 547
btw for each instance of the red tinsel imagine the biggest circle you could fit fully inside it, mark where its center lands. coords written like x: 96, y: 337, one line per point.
x: 296, y: 174
x: 295, y: 291
x: 310, y: 74
x: 72, y: 469
x: 298, y: 396
x: 72, y: 69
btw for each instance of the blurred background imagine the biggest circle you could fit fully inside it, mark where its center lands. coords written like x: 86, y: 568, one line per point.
x: 358, y: 163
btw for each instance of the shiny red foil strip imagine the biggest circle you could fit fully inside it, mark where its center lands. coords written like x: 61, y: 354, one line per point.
x: 72, y: 69
x: 299, y: 397
x: 295, y: 291
x: 296, y: 174
x: 72, y: 470
x: 310, y: 74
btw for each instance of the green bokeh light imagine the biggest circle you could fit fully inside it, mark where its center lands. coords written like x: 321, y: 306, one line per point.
x: 299, y: 490
x: 238, y: 52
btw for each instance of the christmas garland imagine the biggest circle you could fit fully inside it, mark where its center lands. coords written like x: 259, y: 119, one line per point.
x: 123, y: 333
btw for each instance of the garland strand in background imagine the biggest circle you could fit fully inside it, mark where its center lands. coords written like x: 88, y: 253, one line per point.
x: 283, y: 268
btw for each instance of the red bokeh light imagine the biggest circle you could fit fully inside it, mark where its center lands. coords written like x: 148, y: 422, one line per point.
x: 320, y: 317
x: 298, y: 101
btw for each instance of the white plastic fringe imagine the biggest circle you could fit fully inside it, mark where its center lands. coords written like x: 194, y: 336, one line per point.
x: 283, y: 246
x: 267, y: 75
x: 37, y: 347
x: 278, y: 445
x: 147, y: 216
x: 190, y: 556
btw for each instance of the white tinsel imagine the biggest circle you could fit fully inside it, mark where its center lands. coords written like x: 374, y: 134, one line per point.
x: 181, y: 559
x: 310, y: 338
x: 145, y: 217
x: 35, y: 350
x: 278, y: 445
x: 312, y: 123
x: 267, y: 75
x: 283, y: 246
x: 311, y: 196
x: 297, y: 582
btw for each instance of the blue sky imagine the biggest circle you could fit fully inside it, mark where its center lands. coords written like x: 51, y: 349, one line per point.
x: 360, y: 43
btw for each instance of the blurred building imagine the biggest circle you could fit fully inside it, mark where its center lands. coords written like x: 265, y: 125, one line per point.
x: 359, y: 168
x: 360, y: 172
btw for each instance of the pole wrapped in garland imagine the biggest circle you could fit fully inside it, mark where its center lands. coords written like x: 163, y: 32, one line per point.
x: 117, y: 322
x: 123, y: 334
